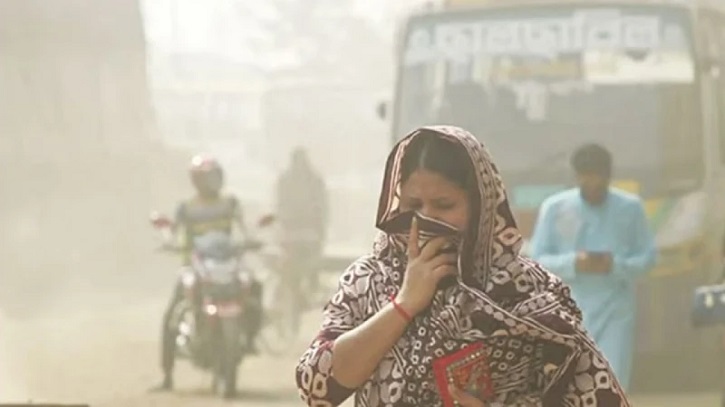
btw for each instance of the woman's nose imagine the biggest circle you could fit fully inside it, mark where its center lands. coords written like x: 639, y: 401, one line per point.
x: 428, y: 212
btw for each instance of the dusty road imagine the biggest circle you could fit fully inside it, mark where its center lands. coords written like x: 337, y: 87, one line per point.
x: 112, y: 359
x: 109, y: 358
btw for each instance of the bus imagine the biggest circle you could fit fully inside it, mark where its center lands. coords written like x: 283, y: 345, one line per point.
x: 536, y: 79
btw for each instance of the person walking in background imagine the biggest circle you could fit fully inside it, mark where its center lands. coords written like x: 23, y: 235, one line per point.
x: 596, y: 238
x: 302, y: 210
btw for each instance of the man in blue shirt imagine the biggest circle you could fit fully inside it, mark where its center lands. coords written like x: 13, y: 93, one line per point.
x: 596, y: 238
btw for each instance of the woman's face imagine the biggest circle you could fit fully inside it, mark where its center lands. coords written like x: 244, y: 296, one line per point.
x: 434, y: 196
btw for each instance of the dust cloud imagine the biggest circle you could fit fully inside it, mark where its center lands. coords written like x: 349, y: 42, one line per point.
x: 82, y: 167
x: 88, y: 151
x: 85, y: 159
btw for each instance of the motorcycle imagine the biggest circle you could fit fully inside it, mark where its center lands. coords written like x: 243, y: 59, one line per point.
x: 219, y: 297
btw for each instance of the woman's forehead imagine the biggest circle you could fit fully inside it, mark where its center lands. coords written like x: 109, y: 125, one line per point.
x: 426, y: 183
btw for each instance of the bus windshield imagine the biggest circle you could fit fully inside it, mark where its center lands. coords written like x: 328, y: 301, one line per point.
x: 537, y: 82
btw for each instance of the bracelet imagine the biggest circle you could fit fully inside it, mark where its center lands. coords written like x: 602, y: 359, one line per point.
x: 400, y: 309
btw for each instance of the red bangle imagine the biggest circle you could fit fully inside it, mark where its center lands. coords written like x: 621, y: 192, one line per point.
x: 400, y: 309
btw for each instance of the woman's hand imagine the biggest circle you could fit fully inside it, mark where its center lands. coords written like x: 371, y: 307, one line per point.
x: 465, y: 399
x: 426, y: 268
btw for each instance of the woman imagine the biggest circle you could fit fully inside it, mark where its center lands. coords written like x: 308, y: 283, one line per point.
x: 397, y: 312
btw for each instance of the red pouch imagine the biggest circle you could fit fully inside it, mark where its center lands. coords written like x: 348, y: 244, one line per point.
x: 468, y: 370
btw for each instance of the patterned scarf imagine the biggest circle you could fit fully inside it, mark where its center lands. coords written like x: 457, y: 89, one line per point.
x: 538, y: 351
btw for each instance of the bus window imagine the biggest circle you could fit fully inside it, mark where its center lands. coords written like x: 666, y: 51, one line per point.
x: 638, y: 96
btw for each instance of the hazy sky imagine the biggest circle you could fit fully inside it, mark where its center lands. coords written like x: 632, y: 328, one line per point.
x: 217, y: 26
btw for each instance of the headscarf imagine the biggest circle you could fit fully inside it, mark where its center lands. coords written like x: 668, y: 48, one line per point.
x: 494, y: 241
x: 523, y: 314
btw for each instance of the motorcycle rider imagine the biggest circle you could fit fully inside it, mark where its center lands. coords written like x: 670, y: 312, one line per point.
x: 208, y: 210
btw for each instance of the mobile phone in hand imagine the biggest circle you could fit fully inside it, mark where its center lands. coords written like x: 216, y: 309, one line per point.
x: 601, y: 262
x: 599, y: 255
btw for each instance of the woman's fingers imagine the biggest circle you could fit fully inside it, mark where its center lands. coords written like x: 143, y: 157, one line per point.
x: 413, y: 249
x: 444, y: 270
x: 433, y: 248
x: 449, y: 259
x: 464, y: 399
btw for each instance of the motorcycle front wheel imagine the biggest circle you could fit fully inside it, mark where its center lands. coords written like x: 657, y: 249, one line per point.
x: 229, y: 356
